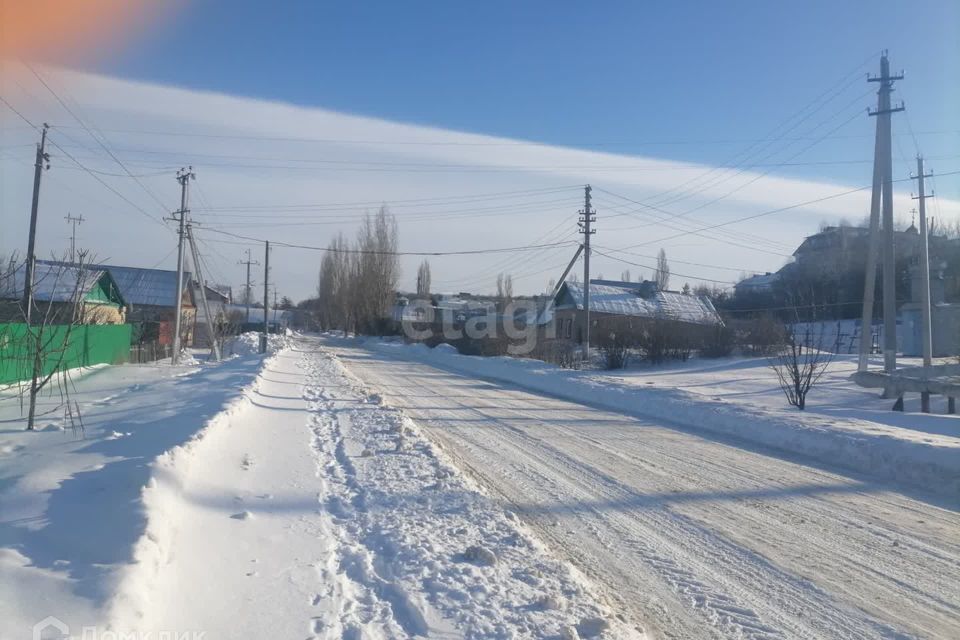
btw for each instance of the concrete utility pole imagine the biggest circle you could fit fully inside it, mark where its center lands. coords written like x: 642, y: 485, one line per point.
x: 41, y: 163
x: 881, y: 206
x: 202, y: 283
x: 266, y: 296
x: 73, y: 234
x: 183, y: 177
x: 925, y: 310
x: 248, y: 292
x: 586, y: 218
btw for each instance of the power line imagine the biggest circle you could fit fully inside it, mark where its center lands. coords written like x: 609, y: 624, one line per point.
x: 697, y: 232
x: 738, y: 159
x: 779, y: 210
x: 695, y: 264
x: 22, y: 117
x: 101, y: 181
x: 390, y: 253
x: 451, y: 143
x: 646, y: 266
x: 399, y: 202
x: 162, y: 206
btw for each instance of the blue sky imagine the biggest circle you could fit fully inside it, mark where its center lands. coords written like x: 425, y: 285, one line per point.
x: 440, y: 94
x: 624, y: 76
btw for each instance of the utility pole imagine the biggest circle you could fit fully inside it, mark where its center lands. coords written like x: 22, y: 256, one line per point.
x: 202, y: 284
x: 266, y: 295
x: 42, y: 162
x: 248, y: 292
x: 586, y: 218
x: 925, y: 311
x: 881, y: 206
x: 73, y: 234
x: 183, y: 177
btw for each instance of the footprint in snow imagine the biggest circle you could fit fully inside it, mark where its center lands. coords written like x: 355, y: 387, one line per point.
x: 243, y: 515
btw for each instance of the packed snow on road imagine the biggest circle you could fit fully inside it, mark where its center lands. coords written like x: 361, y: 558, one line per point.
x: 346, y: 488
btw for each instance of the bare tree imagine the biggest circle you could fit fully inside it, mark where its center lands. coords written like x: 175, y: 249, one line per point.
x: 423, y: 280
x: 357, y: 284
x: 803, y: 360
x: 625, y: 276
x: 662, y: 274
x: 45, y: 341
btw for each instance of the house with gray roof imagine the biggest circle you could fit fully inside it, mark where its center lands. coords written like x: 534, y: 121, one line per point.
x: 64, y: 293
x: 626, y: 307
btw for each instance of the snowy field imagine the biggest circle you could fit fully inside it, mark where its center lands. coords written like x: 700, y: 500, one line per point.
x: 265, y: 498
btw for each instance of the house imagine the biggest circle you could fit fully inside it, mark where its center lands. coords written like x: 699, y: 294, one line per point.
x: 151, y: 296
x: 64, y: 293
x: 757, y: 284
x: 279, y: 319
x: 625, y: 307
x: 217, y: 298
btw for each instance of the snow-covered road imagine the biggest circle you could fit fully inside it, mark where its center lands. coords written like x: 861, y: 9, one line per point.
x: 310, y: 509
x: 693, y: 536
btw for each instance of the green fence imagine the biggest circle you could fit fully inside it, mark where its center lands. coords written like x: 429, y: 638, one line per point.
x: 82, y: 346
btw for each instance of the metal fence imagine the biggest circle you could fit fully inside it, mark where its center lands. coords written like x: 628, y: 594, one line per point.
x: 63, y: 347
x: 149, y: 352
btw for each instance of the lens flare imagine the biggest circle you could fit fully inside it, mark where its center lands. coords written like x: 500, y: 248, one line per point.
x: 66, y: 30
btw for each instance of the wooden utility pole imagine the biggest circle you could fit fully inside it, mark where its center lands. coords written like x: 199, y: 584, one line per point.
x: 71, y: 219
x: 248, y: 292
x: 586, y: 218
x: 183, y: 177
x: 925, y: 310
x: 881, y: 206
x: 42, y: 162
x: 266, y: 296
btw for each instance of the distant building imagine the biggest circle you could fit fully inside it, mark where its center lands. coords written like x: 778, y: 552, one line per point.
x: 762, y: 283
x: 279, y: 319
x: 624, y: 307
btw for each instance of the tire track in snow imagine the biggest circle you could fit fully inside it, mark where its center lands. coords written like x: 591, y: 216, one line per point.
x: 800, y: 599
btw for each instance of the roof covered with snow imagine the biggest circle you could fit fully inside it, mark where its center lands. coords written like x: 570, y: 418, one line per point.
x: 628, y: 301
x: 52, y: 282
x: 146, y: 287
x: 762, y: 281
x: 256, y: 313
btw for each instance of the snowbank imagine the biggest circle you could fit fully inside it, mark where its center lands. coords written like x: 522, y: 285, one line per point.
x: 72, y: 514
x: 920, y: 459
x: 248, y: 343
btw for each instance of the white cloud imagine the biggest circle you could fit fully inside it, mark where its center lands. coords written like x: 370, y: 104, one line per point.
x: 326, y: 164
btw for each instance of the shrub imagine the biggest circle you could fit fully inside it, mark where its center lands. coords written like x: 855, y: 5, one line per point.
x: 718, y: 342
x: 615, y: 351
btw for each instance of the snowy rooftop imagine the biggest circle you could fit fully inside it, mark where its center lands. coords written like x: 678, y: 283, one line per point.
x: 759, y: 281
x: 148, y: 287
x: 256, y: 313
x: 627, y: 301
x: 52, y: 282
